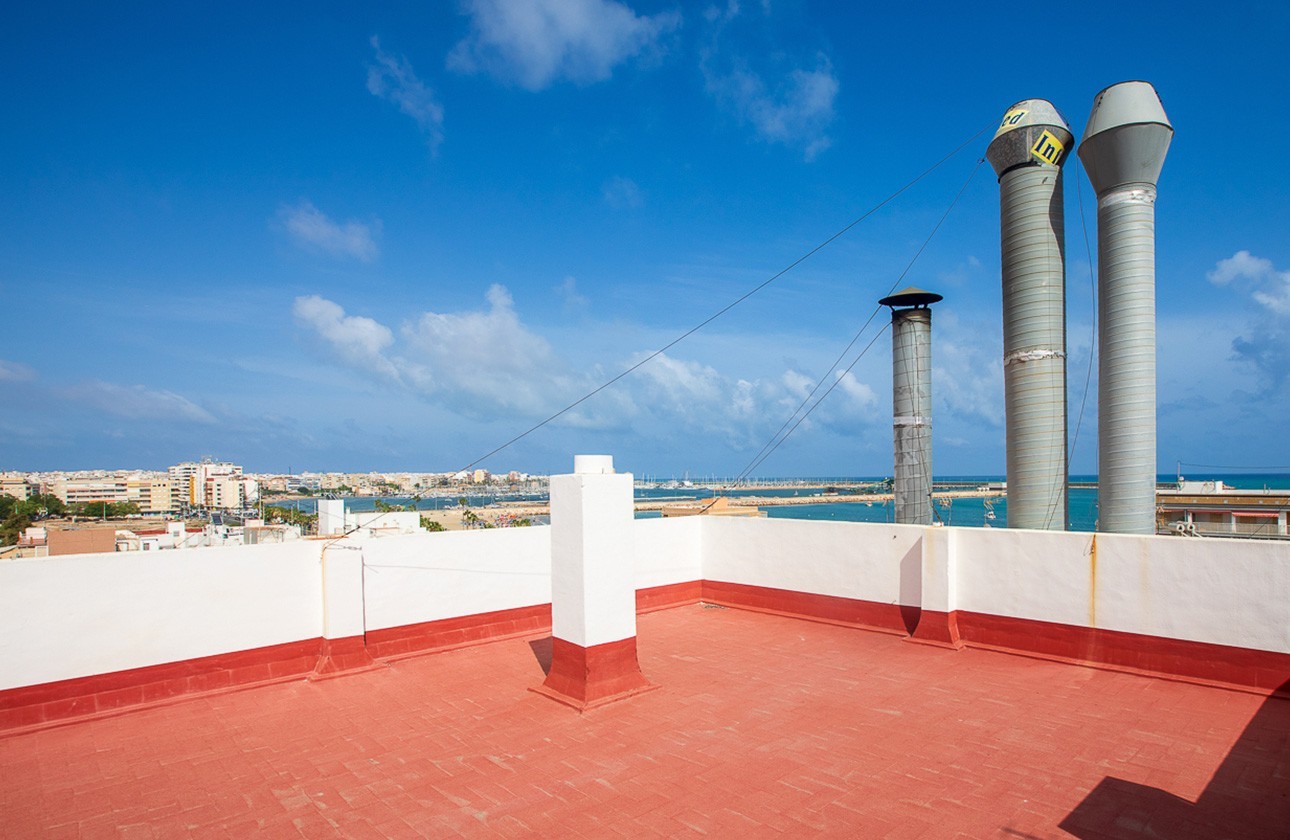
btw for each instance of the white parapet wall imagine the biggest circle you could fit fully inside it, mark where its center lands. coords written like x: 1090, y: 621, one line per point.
x: 428, y: 577
x: 844, y: 559
x: 668, y: 551
x: 91, y: 614
x: 1219, y: 591
x: 81, y: 615
x: 1214, y: 591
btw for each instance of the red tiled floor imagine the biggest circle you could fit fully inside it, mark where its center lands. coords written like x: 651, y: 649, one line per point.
x: 764, y: 727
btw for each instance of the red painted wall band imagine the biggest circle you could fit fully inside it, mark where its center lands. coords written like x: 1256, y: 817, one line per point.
x: 1260, y: 671
x: 1223, y: 665
x: 668, y: 596
x: 100, y: 693
x: 448, y: 633
x: 831, y: 609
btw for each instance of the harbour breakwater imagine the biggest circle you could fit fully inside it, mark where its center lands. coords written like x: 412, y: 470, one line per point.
x: 649, y: 505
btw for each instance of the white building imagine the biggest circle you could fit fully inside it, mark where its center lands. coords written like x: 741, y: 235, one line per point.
x: 210, y: 484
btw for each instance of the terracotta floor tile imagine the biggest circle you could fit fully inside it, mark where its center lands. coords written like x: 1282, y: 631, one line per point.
x: 764, y: 727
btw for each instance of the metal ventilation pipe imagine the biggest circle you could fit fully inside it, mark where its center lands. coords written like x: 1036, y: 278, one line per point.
x: 1123, y: 150
x: 911, y: 403
x: 1027, y: 154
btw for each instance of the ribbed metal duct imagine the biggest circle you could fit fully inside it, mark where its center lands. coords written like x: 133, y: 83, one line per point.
x: 1027, y: 153
x: 1123, y: 151
x: 911, y: 379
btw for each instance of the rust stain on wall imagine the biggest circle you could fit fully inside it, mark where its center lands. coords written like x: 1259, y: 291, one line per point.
x: 1092, y: 582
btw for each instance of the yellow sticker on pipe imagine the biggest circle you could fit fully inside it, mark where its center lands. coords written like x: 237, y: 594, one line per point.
x: 1011, y: 119
x: 1048, y: 149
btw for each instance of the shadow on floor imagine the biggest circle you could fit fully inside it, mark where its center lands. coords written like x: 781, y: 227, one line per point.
x: 542, y: 652
x: 1248, y: 798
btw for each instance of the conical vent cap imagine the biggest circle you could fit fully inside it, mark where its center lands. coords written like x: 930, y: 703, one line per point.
x: 1127, y: 137
x: 1031, y: 133
x: 911, y: 296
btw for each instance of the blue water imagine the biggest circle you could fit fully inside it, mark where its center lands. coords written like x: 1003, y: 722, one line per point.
x: 970, y: 513
x: 368, y: 503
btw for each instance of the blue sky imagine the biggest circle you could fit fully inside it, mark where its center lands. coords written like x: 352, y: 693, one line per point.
x: 391, y: 237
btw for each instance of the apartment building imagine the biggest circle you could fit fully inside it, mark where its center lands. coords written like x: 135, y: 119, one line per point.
x: 153, y: 493
x: 104, y: 488
x: 16, y: 485
x: 218, y: 485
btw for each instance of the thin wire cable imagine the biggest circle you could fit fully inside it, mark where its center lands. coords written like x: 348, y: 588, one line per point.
x: 794, y: 264
x: 1231, y: 467
x: 836, y: 381
x: 1092, y: 352
x: 1092, y: 340
x: 819, y: 384
x: 831, y: 368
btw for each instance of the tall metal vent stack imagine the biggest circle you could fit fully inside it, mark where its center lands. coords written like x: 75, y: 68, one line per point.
x: 1123, y: 150
x: 911, y: 403
x: 1027, y: 154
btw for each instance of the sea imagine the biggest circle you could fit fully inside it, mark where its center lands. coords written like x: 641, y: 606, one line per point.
x: 966, y: 512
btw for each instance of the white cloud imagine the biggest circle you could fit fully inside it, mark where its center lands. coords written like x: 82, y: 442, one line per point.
x: 1277, y: 300
x: 1241, y: 265
x: 136, y: 402
x: 537, y: 42
x: 861, y: 395
x: 477, y: 362
x: 1267, y: 286
x: 967, y: 374
x: 621, y: 193
x: 485, y: 360
x: 1266, y: 342
x: 960, y: 275
x: 716, y: 14
x: 357, y: 340
x: 795, y: 113
x: 673, y: 393
x: 15, y: 372
x: 685, y: 386
x: 312, y: 229
x: 574, y: 301
x: 488, y: 364
x: 393, y: 80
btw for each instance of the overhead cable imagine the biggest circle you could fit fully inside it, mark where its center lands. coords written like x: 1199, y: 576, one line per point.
x: 794, y: 264
x: 745, y: 296
x: 771, y: 444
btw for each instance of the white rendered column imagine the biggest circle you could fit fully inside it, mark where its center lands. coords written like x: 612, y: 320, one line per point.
x: 593, y: 590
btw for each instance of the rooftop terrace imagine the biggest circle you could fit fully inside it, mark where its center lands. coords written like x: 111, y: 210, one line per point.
x: 765, y: 726
x: 825, y: 678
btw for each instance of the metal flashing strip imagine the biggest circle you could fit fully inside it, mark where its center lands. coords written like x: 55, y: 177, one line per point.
x: 1134, y: 195
x: 1032, y: 356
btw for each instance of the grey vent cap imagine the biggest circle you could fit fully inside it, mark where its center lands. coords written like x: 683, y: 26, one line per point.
x: 1019, y: 140
x: 911, y: 296
x: 1127, y: 137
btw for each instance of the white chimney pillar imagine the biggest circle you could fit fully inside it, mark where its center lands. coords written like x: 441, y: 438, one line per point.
x: 593, y: 587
